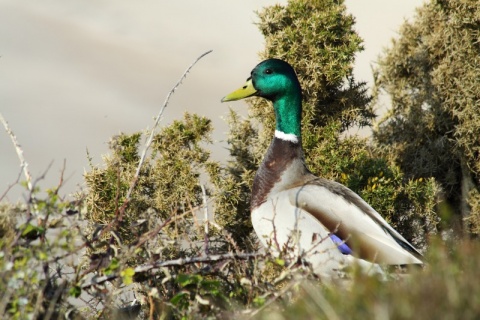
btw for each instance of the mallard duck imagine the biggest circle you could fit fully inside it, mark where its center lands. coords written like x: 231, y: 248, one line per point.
x: 322, y: 221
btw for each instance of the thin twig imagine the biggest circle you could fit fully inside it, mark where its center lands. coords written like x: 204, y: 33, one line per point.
x: 19, y: 150
x: 205, y: 210
x: 61, y: 181
x: 11, y: 185
x: 157, y: 121
x: 274, y: 227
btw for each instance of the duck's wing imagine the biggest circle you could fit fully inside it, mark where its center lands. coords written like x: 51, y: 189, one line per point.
x: 349, y: 217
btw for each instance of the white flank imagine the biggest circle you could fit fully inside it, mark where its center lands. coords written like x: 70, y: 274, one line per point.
x: 286, y: 136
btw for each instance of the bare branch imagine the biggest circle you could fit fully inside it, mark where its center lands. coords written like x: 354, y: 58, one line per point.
x: 19, y: 150
x: 11, y: 185
x: 177, y: 262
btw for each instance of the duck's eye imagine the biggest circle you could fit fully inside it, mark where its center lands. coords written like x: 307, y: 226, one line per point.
x: 268, y: 71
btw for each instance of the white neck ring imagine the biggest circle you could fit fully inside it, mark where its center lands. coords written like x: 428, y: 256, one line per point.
x: 286, y: 136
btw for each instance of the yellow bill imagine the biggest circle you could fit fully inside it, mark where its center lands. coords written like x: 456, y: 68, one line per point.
x: 244, y: 92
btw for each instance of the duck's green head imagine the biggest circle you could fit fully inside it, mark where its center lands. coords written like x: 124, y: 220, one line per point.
x: 275, y: 80
x: 271, y: 79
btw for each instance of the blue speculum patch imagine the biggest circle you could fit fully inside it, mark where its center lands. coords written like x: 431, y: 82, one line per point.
x: 342, y: 246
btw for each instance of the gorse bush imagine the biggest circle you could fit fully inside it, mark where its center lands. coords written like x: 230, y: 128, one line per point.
x: 431, y: 75
x: 176, y: 241
x: 168, y: 183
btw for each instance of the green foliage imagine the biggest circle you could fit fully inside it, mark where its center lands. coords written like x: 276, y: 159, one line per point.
x: 431, y: 75
x: 318, y: 39
x: 202, y: 291
x: 33, y: 237
x: 168, y: 184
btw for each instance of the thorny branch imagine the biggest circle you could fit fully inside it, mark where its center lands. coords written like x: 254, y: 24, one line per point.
x: 176, y: 262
